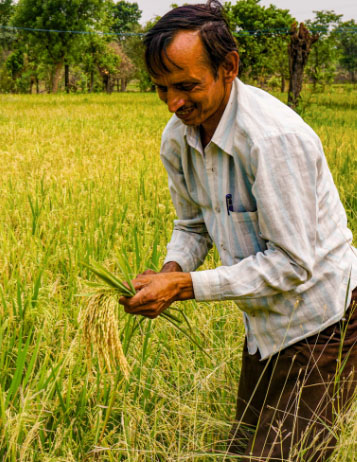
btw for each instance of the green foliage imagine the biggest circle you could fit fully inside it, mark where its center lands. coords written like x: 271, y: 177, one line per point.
x: 15, y: 62
x: 84, y: 53
x: 323, y: 58
x: 124, y: 16
x: 261, y: 54
x: 37, y: 59
x: 56, y: 48
x: 135, y: 50
x: 22, y: 68
x: 6, y: 11
x: 347, y: 41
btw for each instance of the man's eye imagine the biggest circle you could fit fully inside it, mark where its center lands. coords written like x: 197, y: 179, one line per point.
x: 187, y: 87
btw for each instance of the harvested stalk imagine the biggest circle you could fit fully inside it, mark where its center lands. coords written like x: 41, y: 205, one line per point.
x: 101, y: 332
x: 99, y: 321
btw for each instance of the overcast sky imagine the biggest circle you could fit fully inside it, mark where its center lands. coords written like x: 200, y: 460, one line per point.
x: 300, y: 9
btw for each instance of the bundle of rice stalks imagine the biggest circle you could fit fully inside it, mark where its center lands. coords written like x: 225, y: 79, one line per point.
x: 99, y: 320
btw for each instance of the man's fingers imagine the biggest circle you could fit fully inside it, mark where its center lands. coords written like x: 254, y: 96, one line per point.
x: 123, y: 300
x: 138, y: 300
x: 151, y: 310
x: 142, y: 280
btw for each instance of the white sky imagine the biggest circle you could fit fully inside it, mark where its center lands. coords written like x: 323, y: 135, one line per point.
x: 300, y: 9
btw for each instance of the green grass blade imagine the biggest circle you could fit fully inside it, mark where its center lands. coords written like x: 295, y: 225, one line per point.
x: 168, y: 317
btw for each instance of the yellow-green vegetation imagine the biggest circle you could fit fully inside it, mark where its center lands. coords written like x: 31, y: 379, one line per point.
x: 81, y: 181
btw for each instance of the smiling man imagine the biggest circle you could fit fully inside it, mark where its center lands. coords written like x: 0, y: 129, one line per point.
x: 246, y: 173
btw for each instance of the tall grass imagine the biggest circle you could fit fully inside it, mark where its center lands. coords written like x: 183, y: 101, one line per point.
x: 81, y: 181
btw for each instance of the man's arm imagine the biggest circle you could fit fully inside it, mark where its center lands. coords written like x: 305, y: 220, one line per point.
x: 285, y: 171
x: 190, y: 241
x: 186, y: 250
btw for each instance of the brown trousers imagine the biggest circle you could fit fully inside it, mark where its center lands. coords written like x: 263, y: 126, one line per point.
x: 288, y: 405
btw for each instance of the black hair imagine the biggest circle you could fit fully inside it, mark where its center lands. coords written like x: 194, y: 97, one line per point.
x: 208, y: 19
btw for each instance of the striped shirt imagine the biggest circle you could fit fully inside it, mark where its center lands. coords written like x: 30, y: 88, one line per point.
x: 286, y: 253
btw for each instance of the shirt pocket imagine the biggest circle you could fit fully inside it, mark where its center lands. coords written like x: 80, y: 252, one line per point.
x: 244, y: 235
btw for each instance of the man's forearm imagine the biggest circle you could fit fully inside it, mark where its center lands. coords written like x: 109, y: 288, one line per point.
x: 183, y: 281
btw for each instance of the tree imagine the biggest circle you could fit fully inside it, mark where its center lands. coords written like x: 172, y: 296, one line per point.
x: 123, y: 71
x: 56, y: 48
x: 6, y: 11
x: 124, y: 16
x: 300, y: 45
x: 262, y: 35
x: 134, y: 49
x: 347, y: 43
x: 323, y: 58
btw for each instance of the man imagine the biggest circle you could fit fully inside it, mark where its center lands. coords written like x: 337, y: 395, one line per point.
x: 246, y: 173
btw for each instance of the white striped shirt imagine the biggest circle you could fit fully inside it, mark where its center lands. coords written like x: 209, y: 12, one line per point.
x: 285, y: 248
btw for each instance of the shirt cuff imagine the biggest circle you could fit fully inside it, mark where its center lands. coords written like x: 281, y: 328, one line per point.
x: 206, y: 285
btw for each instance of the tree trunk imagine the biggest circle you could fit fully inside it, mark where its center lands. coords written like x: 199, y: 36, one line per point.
x: 123, y: 84
x: 37, y: 85
x: 66, y: 77
x: 32, y: 81
x: 282, y: 89
x: 300, y: 45
x: 107, y: 83
x: 316, y: 70
x: 56, y: 76
x: 91, y: 81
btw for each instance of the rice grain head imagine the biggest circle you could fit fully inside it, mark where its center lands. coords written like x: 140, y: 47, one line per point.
x: 100, y: 329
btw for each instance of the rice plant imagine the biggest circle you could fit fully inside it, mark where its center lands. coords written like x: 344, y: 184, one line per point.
x: 82, y: 182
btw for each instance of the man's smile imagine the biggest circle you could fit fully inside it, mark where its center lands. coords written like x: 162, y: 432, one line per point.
x: 185, y: 112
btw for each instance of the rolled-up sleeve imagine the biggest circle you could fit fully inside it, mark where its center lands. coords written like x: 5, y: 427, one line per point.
x: 285, y: 174
x: 190, y: 241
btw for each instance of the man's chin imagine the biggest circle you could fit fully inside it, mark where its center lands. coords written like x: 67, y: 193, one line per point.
x: 189, y: 121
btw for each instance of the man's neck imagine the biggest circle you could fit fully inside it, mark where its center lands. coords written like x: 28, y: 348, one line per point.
x: 209, y: 127
x: 205, y: 137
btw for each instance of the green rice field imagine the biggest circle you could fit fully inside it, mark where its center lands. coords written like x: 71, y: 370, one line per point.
x: 81, y: 181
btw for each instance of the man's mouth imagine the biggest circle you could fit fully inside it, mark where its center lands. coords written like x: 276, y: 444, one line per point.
x: 184, y: 112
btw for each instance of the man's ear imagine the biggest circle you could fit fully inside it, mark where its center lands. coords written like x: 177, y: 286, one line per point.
x: 230, y: 66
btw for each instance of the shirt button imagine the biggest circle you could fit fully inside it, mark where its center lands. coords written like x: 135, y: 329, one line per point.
x: 217, y: 209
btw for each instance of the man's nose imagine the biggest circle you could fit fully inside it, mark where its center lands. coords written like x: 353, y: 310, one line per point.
x: 174, y: 100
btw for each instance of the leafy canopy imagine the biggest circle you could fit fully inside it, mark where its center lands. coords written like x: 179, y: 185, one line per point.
x: 258, y: 50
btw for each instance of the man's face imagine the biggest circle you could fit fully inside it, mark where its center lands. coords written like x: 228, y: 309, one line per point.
x: 190, y: 89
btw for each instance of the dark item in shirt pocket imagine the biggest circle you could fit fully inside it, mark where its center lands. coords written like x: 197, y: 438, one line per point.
x: 244, y: 234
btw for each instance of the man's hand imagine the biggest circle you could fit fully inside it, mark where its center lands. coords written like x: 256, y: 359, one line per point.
x: 156, y: 292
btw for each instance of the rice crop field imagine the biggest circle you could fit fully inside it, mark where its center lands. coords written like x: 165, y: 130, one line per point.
x: 81, y: 181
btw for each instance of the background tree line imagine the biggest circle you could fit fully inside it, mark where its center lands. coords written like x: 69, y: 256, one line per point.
x: 101, y: 48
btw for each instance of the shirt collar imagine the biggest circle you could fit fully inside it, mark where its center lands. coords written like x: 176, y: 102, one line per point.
x: 223, y: 137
